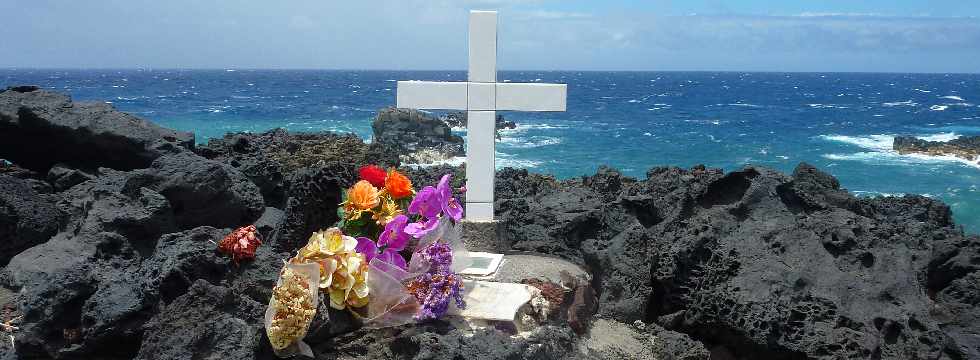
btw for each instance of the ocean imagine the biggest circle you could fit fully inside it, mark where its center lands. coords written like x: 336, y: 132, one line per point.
x: 843, y: 123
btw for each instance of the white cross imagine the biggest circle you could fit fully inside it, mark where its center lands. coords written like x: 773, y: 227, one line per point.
x: 481, y: 96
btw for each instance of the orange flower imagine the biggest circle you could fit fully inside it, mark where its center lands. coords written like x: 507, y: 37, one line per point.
x: 398, y: 185
x: 363, y: 196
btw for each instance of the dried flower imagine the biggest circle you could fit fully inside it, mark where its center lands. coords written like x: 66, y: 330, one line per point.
x: 294, y: 309
x: 434, y: 291
x: 240, y: 244
x: 397, y: 185
x: 343, y: 271
x: 363, y: 196
x: 374, y: 175
x: 435, y: 288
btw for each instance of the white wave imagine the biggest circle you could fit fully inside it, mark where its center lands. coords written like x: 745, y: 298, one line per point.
x: 647, y: 134
x: 894, y: 158
x: 939, y: 107
x: 940, y: 137
x: 861, y: 193
x: 826, y: 106
x: 516, y: 163
x: 745, y: 105
x: 528, y: 143
x: 872, y: 142
x: 900, y: 103
x: 454, y: 161
x: 922, y: 91
x: 633, y: 101
x: 882, y: 152
x: 525, y: 127
x: 952, y: 97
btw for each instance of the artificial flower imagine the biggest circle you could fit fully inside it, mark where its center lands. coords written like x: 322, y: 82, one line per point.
x: 389, y: 210
x: 450, y: 206
x: 326, y: 243
x: 435, y: 288
x: 363, y: 196
x: 343, y: 271
x: 240, y: 244
x: 348, y: 286
x: 392, y: 240
x: 426, y: 203
x: 374, y: 175
x: 293, y: 310
x: 420, y: 228
x: 397, y: 185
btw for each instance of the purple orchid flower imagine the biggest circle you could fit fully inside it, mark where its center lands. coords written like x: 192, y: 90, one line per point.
x: 449, y: 205
x: 427, y: 203
x: 392, y: 240
x: 420, y: 228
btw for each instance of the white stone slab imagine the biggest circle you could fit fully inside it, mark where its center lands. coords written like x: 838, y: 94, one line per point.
x: 480, y: 167
x: 479, y: 211
x: 482, y: 263
x: 483, y: 46
x: 431, y: 95
x: 481, y: 96
x: 531, y: 97
x: 492, y: 300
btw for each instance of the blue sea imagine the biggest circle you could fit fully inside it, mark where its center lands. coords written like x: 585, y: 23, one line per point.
x: 842, y: 122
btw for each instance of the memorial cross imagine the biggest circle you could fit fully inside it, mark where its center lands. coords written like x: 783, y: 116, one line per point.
x: 481, y: 96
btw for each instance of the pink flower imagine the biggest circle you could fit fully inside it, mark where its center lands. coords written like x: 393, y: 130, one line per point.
x: 450, y: 206
x: 426, y: 203
x: 392, y: 240
x: 420, y: 228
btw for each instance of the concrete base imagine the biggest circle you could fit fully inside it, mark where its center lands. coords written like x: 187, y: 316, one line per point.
x: 518, y: 267
x: 482, y: 236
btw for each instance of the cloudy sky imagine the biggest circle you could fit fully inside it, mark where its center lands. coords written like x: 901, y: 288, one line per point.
x: 744, y: 35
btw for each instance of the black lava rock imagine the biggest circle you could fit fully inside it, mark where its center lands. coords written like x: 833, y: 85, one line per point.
x: 40, y: 128
x: 27, y: 218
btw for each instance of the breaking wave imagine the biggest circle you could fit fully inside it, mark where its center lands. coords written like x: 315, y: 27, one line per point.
x: 882, y: 153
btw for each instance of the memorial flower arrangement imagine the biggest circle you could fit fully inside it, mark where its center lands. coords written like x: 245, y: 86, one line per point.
x: 361, y: 263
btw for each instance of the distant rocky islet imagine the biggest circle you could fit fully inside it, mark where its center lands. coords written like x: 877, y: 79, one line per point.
x: 106, y: 230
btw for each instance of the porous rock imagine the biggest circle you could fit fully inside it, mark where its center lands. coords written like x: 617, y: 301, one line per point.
x: 207, y: 322
x: 27, y: 218
x: 754, y: 263
x: 270, y: 158
x: 40, y: 128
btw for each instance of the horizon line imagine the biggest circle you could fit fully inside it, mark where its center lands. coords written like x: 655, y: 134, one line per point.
x: 16, y: 68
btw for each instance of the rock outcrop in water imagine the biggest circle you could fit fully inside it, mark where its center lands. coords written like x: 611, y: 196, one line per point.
x: 460, y: 119
x: 964, y: 147
x: 684, y: 264
x: 417, y: 137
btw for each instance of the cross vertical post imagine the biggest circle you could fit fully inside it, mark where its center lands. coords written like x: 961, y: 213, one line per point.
x: 481, y: 115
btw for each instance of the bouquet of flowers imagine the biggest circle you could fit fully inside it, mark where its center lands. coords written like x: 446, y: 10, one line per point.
x: 362, y: 261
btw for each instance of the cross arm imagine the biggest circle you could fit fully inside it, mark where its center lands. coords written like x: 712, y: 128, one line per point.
x: 531, y: 97
x: 431, y: 95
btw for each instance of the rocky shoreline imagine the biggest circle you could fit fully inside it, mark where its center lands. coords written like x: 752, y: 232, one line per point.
x: 964, y: 147
x: 107, y: 223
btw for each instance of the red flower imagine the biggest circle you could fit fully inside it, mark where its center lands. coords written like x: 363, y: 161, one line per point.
x: 374, y: 175
x: 241, y: 243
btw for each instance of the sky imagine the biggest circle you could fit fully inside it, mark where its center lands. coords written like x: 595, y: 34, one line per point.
x: 657, y: 35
